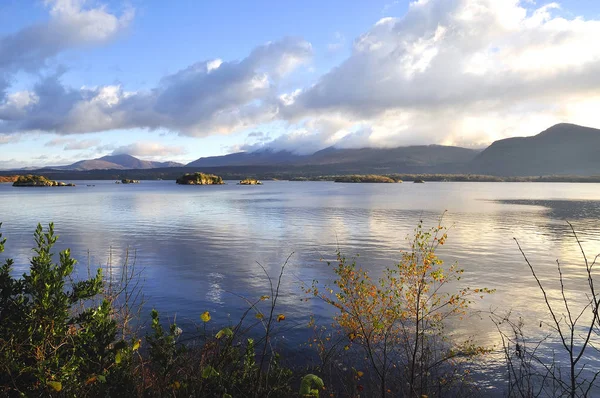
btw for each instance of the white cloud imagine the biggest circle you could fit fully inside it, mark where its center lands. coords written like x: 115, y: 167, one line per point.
x: 206, y: 98
x: 460, y: 71
x: 149, y: 149
x: 70, y: 144
x: 71, y: 25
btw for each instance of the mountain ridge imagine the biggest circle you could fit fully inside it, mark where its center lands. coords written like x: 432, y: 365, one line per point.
x: 563, y: 149
x: 116, y: 162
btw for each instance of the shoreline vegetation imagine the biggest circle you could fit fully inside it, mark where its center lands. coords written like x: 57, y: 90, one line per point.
x: 385, y: 178
x: 250, y: 181
x: 369, y: 178
x: 6, y: 179
x: 199, y: 179
x: 38, y: 181
x: 65, y: 337
x: 137, y: 175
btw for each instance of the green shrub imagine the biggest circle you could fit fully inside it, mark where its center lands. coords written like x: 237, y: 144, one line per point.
x: 51, y: 338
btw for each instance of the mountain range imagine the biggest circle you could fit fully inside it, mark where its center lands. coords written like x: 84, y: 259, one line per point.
x: 563, y: 149
x: 116, y: 162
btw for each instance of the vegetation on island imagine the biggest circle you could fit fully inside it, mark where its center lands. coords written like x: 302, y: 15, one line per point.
x: 129, y: 181
x: 370, y: 178
x: 199, y: 179
x: 4, y: 179
x: 250, y: 181
x: 60, y: 336
x: 38, y: 181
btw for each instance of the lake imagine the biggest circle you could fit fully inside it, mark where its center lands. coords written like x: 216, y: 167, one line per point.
x: 199, y: 246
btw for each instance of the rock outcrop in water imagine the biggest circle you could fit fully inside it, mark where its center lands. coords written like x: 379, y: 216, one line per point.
x: 38, y: 181
x: 199, y: 179
x: 250, y: 181
x: 128, y: 181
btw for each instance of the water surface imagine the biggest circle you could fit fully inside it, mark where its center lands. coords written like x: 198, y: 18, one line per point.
x: 199, y: 246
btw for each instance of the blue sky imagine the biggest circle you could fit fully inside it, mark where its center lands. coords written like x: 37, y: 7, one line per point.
x: 184, y: 79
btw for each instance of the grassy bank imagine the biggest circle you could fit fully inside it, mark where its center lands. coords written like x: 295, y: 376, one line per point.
x: 65, y: 337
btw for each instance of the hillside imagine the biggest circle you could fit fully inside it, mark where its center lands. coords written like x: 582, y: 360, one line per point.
x: 117, y: 162
x: 262, y: 157
x: 563, y: 149
x: 390, y: 160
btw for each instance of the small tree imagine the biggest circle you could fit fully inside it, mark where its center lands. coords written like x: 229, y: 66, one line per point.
x: 50, y: 340
x: 397, y: 323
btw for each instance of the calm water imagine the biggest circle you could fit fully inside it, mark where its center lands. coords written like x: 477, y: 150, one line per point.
x: 199, y: 245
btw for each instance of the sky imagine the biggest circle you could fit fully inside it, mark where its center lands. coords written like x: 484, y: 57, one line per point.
x: 183, y: 79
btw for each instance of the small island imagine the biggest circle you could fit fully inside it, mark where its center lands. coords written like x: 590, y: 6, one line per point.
x: 199, y: 179
x: 128, y: 181
x: 369, y: 178
x: 250, y: 181
x: 419, y: 181
x: 38, y: 181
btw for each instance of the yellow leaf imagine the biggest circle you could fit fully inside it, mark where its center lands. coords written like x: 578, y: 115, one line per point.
x: 263, y: 298
x: 259, y: 315
x: 360, y: 373
x: 91, y: 380
x: 205, y: 316
x: 55, y: 385
x: 280, y: 317
x: 136, y: 345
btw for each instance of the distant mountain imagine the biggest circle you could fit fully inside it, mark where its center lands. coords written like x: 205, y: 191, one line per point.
x: 388, y: 160
x: 563, y: 149
x: 422, y: 155
x: 117, y: 162
x: 261, y: 157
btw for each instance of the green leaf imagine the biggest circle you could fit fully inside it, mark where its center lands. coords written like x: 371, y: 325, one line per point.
x: 55, y: 385
x: 208, y: 372
x: 118, y: 358
x: 102, y: 378
x: 224, y: 332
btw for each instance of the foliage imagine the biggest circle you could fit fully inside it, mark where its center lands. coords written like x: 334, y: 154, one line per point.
x: 37, y: 181
x: 365, y: 178
x: 397, y: 323
x: 250, y: 181
x: 50, y: 340
x: 310, y: 386
x: 199, y: 179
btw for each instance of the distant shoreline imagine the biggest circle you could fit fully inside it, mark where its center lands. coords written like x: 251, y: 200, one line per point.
x: 8, y: 177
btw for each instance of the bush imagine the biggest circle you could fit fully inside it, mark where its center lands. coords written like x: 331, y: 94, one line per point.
x: 397, y: 323
x: 51, y: 338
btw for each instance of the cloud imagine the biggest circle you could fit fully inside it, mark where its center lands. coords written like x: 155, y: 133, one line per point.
x: 256, y: 134
x: 454, y: 72
x: 9, y: 139
x: 70, y: 144
x: 206, y: 98
x: 71, y: 25
x: 459, y: 71
x: 151, y: 149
